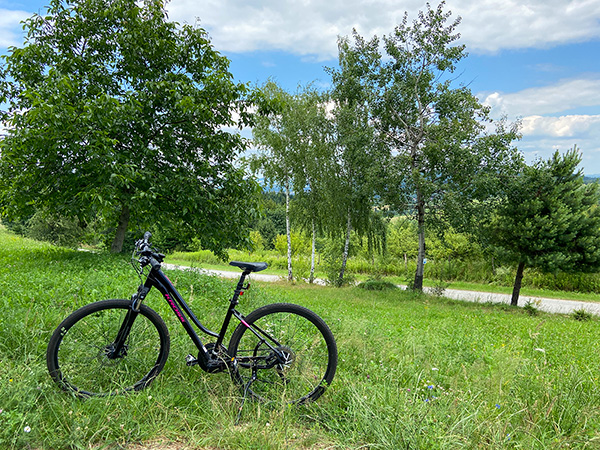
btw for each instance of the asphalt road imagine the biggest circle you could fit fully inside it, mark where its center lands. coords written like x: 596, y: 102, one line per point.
x: 543, y: 304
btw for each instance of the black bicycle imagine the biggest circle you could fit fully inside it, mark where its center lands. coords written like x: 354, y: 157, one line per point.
x: 280, y: 352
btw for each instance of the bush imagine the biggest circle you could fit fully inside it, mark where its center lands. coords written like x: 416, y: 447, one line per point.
x: 581, y: 315
x: 55, y: 229
x: 531, y: 309
x: 377, y: 285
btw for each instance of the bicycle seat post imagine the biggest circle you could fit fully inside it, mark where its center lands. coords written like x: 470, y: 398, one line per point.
x: 240, y: 287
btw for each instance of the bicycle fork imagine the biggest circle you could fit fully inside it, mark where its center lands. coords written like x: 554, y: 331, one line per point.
x: 118, y: 348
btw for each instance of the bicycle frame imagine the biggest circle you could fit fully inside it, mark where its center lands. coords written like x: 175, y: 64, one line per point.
x: 206, y: 358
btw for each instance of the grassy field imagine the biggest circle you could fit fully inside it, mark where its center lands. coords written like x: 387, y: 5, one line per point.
x: 415, y: 372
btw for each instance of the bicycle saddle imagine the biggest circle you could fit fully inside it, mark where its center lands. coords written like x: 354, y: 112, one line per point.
x: 251, y: 267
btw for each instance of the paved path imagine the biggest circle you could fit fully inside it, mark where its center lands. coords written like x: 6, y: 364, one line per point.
x: 543, y: 304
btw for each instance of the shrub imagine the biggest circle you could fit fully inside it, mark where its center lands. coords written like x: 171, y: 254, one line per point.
x: 582, y: 315
x: 377, y: 285
x: 55, y: 229
x: 531, y: 309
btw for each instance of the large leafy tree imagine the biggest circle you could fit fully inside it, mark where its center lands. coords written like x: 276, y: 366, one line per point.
x: 114, y: 110
x: 549, y: 219
x: 442, y: 154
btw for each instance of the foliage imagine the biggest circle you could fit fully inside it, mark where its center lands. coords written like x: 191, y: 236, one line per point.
x: 442, y: 160
x: 357, y: 160
x: 114, y: 110
x: 61, y: 231
x: 581, y: 315
x: 549, y: 219
x: 300, y: 244
x: 377, y: 285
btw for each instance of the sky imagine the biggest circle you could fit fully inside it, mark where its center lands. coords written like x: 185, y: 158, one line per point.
x: 537, y: 61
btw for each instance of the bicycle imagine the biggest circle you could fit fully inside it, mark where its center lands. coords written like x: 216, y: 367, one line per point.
x: 279, y: 352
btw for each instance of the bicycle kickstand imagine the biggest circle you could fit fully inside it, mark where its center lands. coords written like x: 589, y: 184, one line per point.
x: 246, y: 390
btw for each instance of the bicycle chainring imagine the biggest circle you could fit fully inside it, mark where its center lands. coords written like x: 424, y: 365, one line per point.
x: 219, y: 359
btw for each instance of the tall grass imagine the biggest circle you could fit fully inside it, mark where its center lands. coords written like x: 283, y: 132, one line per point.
x: 414, y: 371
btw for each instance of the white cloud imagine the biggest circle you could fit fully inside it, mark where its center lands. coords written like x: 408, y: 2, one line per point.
x: 308, y: 27
x: 546, y: 124
x: 542, y: 147
x: 10, y: 29
x: 492, y: 25
x: 311, y: 27
x: 561, y: 127
x: 553, y: 99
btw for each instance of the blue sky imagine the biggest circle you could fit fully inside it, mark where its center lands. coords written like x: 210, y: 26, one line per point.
x: 536, y: 60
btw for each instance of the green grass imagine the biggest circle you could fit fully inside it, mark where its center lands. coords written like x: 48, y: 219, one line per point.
x: 414, y: 372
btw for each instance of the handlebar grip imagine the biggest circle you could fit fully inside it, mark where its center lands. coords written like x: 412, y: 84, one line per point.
x: 154, y: 263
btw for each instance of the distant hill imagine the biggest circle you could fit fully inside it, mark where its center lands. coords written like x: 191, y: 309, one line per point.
x: 591, y: 178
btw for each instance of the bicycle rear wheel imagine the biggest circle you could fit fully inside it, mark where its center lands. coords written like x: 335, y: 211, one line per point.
x: 284, y: 353
x: 78, y: 351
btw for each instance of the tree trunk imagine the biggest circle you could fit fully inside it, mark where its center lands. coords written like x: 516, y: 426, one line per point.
x: 311, y: 278
x: 117, y: 243
x: 346, y: 249
x: 288, y: 232
x: 418, y: 284
x: 517, y: 287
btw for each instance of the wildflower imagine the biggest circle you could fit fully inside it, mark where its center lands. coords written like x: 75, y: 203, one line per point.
x: 435, y: 368
x: 430, y: 386
x: 27, y: 429
x: 497, y: 406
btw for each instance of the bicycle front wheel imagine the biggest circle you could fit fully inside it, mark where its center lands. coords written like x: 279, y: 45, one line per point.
x: 80, y: 354
x: 284, y: 353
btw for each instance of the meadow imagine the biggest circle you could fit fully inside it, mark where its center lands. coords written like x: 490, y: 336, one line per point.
x: 415, y: 372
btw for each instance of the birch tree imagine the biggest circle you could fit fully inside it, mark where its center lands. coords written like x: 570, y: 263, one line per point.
x: 276, y: 158
x: 357, y: 154
x: 442, y: 154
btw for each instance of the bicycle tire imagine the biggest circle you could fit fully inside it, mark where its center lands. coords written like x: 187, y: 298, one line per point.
x: 77, y: 352
x: 305, y: 340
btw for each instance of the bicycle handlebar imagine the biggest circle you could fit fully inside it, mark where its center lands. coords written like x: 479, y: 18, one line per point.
x: 148, y: 254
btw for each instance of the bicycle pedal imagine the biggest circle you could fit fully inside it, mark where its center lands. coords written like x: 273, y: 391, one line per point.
x: 190, y: 360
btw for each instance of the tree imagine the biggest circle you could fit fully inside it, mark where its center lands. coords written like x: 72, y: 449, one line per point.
x: 357, y: 156
x: 296, y: 155
x: 271, y: 134
x: 441, y: 156
x: 311, y: 135
x: 114, y: 110
x: 549, y: 219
